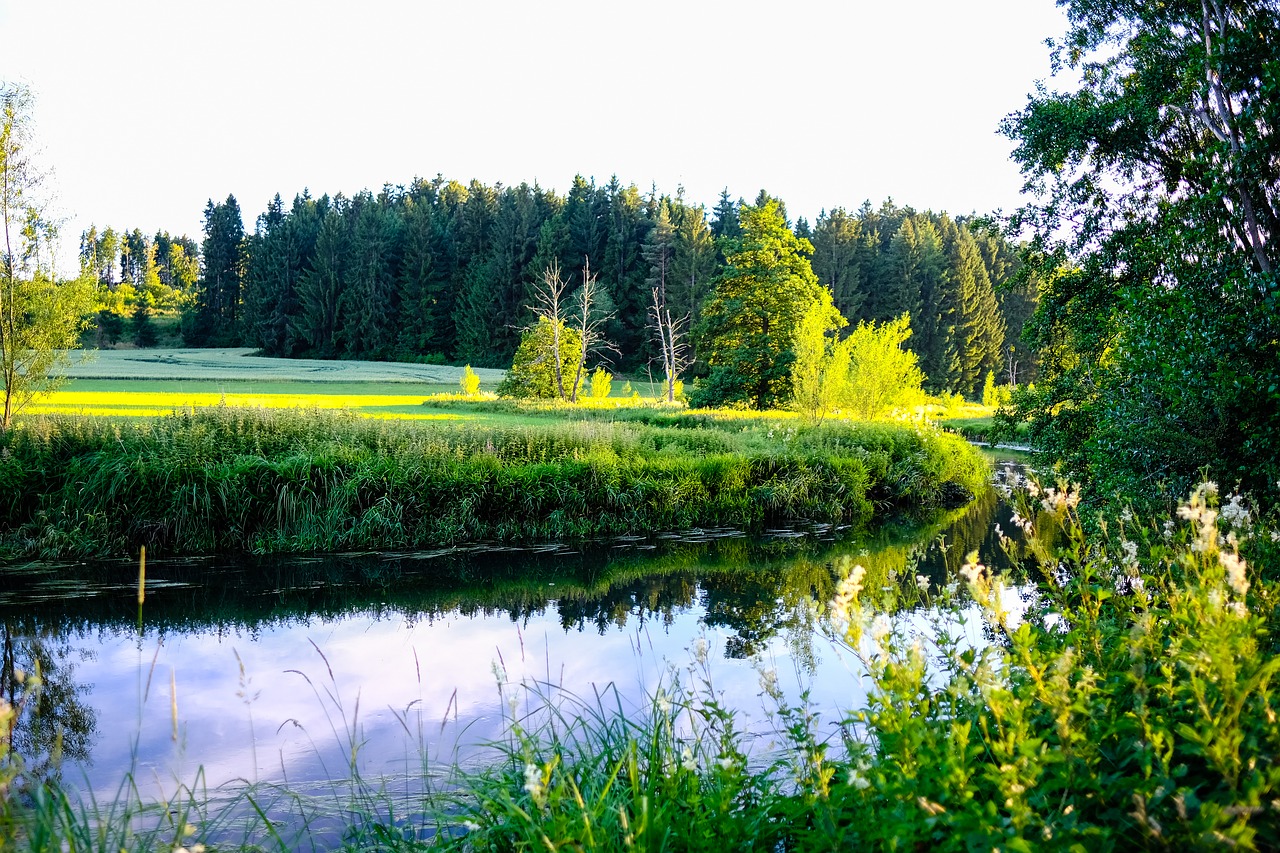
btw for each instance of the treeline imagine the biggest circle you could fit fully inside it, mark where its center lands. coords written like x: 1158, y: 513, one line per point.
x: 442, y: 271
x: 135, y: 276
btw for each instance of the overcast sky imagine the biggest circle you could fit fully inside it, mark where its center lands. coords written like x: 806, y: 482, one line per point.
x: 146, y: 109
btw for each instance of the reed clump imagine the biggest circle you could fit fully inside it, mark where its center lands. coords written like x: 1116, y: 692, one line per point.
x: 250, y: 480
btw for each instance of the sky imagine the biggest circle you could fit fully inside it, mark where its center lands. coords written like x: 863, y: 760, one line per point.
x: 146, y: 109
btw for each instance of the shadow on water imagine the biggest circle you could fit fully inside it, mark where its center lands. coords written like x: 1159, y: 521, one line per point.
x: 754, y: 592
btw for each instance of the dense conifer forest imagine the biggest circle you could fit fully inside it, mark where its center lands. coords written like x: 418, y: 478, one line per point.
x: 442, y: 271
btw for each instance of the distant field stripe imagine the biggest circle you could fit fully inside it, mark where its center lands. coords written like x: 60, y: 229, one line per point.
x: 172, y: 399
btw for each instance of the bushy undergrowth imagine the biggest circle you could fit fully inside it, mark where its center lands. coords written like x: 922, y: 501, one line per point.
x: 1129, y: 706
x: 1124, y: 702
x: 225, y: 479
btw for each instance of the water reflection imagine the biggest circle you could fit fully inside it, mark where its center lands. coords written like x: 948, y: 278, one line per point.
x: 354, y: 642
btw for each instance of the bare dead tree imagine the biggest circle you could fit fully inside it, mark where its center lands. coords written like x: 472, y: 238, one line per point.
x: 590, y: 323
x: 548, y: 304
x: 670, y: 331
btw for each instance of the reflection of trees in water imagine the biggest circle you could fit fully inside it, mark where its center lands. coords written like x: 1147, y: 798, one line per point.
x: 60, y: 723
x: 754, y: 590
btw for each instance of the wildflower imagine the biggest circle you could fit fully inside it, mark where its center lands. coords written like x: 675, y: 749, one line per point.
x: 470, y: 826
x: 687, y: 760
x: 663, y: 702
x: 1236, y: 513
x: 880, y: 628
x: 700, y: 650
x: 769, y: 683
x: 1235, y: 566
x: 726, y: 762
x: 972, y: 572
x: 1130, y: 550
x: 922, y: 581
x: 1238, y: 609
x: 857, y: 780
x: 1126, y: 515
x: 847, y: 593
x: 1168, y: 528
x: 533, y: 782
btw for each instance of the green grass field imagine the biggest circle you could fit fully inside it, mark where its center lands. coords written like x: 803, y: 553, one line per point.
x: 151, y: 382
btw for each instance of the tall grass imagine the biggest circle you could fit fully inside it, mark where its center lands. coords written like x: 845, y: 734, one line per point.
x: 225, y: 480
x: 1129, y: 703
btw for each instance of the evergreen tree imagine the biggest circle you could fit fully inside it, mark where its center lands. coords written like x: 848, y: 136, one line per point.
x: 693, y: 262
x: 749, y: 323
x: 320, y: 291
x: 215, y: 318
x: 371, y: 308
x: 836, y: 259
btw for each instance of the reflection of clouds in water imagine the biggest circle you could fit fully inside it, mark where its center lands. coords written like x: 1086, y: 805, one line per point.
x: 303, y: 735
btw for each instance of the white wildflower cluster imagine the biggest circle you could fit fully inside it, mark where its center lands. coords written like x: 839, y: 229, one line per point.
x: 769, y: 683
x: 688, y: 760
x: 922, y: 581
x: 988, y: 591
x: 881, y: 628
x: 535, y: 784
x: 1237, y: 515
x: 845, y: 604
x: 1209, y: 541
x: 1129, y: 554
x: 700, y: 649
x: 1202, y: 516
x: 1235, y: 566
x: 1056, y: 501
x: 663, y: 703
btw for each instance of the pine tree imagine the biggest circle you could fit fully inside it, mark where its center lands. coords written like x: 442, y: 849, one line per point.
x: 320, y: 291
x: 215, y: 319
x: 749, y: 323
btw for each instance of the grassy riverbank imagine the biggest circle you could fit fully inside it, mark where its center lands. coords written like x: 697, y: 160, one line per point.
x: 225, y: 479
x: 1129, y: 705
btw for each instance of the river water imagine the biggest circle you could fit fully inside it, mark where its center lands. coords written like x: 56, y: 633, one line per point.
x: 274, y: 669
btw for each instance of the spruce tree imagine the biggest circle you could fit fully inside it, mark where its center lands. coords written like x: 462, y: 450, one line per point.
x: 749, y: 323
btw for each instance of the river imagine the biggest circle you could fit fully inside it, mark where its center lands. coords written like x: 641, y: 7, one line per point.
x: 281, y: 670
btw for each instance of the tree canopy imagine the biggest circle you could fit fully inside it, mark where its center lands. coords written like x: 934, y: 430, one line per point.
x: 749, y: 324
x: 1157, y: 185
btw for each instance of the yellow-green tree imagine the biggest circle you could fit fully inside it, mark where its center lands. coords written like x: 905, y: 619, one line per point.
x: 819, y: 375
x: 883, y: 376
x: 40, y: 317
x: 536, y: 371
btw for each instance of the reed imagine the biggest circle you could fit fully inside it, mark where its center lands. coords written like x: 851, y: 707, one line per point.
x: 248, y: 480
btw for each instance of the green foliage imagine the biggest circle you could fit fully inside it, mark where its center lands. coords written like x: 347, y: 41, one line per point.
x: 40, y: 317
x: 601, y: 383
x: 749, y: 324
x: 547, y: 359
x: 883, y: 376
x: 1129, y: 706
x: 470, y: 382
x: 990, y: 396
x: 226, y: 479
x: 820, y: 373
x: 1155, y: 242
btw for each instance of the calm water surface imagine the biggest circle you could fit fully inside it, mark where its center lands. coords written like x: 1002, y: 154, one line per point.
x: 276, y: 667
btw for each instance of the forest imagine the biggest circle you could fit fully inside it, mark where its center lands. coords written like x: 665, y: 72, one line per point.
x: 445, y: 272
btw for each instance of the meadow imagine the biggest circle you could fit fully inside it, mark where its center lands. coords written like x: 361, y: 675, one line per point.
x: 195, y: 452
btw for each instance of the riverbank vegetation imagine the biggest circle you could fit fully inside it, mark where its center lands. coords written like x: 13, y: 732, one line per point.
x: 1129, y: 703
x: 223, y: 479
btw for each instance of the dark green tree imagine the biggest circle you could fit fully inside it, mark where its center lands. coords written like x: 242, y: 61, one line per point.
x: 215, y: 317
x: 1154, y: 238
x: 749, y: 323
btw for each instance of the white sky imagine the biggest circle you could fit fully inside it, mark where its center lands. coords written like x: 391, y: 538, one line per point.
x: 147, y: 108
